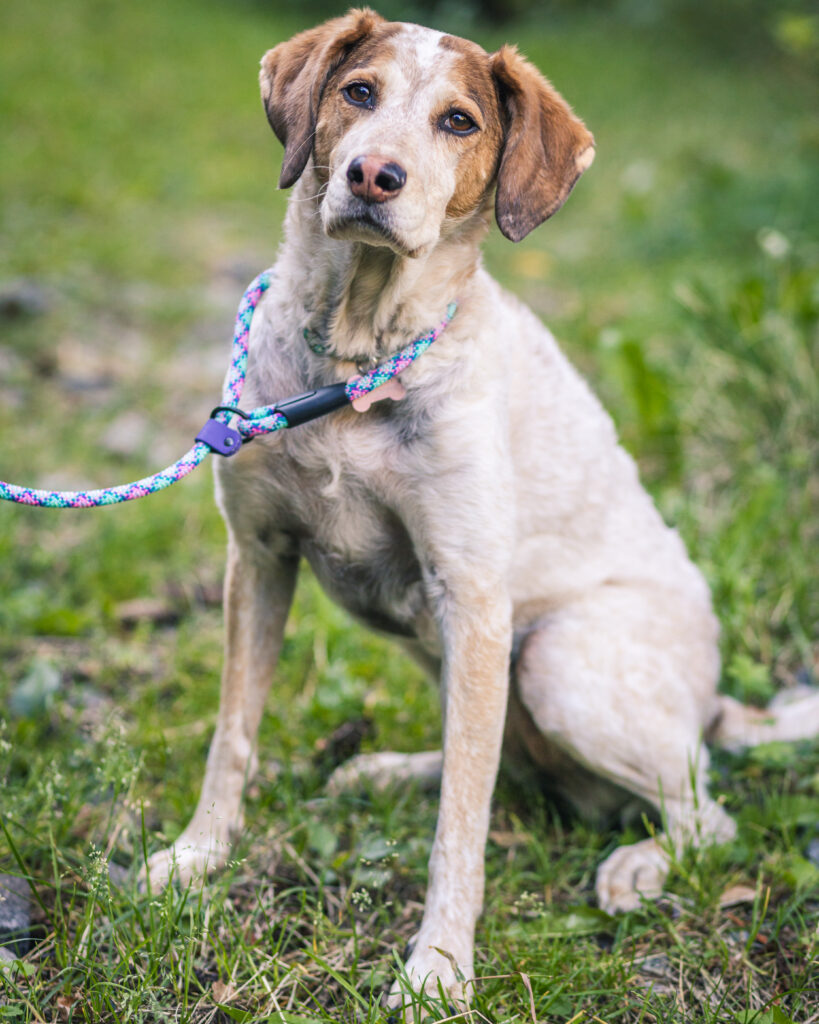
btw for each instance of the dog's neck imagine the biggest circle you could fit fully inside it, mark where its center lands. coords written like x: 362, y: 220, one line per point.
x: 363, y: 302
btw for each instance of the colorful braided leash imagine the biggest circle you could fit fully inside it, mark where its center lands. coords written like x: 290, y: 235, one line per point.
x: 217, y: 435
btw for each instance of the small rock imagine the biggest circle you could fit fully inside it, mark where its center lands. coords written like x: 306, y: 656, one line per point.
x: 34, y: 694
x: 117, y: 874
x: 812, y: 852
x: 22, y: 298
x: 15, y: 915
x: 655, y: 972
x: 7, y: 962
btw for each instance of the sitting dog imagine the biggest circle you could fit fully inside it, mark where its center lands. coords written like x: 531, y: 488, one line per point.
x: 487, y: 519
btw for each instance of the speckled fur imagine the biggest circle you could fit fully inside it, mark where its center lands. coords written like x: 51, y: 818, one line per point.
x: 491, y: 511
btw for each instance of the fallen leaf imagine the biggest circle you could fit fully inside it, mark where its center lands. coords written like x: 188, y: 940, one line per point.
x: 65, y: 1005
x: 224, y: 991
x: 506, y: 840
x: 147, y: 609
x: 528, y: 985
x: 735, y: 894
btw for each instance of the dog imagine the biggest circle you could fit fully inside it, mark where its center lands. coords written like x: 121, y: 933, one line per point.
x: 489, y: 519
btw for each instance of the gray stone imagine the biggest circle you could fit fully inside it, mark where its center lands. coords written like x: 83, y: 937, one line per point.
x: 15, y: 915
x: 7, y: 961
x: 34, y: 694
x: 22, y: 298
x: 117, y: 874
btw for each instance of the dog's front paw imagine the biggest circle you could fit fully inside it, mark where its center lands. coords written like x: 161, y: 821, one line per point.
x: 432, y: 969
x: 630, y: 874
x: 183, y: 863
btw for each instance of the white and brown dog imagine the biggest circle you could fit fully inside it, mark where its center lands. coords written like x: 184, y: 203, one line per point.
x: 489, y: 518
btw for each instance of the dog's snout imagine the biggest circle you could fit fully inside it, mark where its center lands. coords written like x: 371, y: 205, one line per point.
x: 374, y: 180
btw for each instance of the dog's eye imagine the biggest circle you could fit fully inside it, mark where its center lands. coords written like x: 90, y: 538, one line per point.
x: 359, y: 94
x: 459, y: 123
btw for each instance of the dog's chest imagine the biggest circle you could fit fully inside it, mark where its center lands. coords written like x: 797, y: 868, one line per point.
x: 379, y: 583
x: 351, y: 531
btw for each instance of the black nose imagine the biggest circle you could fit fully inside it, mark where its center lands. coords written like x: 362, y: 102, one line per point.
x: 373, y: 180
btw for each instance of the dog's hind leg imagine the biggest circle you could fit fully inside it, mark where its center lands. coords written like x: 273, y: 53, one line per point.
x: 637, y: 871
x: 623, y: 681
x: 258, y: 590
x: 792, y: 715
x: 381, y: 770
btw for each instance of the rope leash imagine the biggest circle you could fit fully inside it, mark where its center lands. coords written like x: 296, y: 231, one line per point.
x: 218, y: 435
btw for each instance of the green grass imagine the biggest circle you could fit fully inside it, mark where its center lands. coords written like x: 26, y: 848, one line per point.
x: 137, y: 176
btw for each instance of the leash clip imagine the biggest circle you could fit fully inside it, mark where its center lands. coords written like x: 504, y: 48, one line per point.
x: 218, y: 436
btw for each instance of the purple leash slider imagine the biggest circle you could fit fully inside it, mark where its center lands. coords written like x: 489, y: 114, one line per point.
x: 218, y: 436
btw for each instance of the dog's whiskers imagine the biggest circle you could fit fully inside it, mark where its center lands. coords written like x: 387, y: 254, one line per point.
x: 309, y: 199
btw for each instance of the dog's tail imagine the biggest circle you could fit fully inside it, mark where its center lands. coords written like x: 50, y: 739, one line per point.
x: 791, y: 715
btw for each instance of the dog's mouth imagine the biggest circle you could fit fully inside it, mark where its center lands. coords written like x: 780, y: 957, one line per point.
x: 360, y: 222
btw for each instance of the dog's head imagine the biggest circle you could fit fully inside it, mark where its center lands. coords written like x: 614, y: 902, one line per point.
x: 411, y: 130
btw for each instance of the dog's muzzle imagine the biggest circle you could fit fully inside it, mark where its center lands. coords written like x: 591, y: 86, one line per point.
x: 375, y: 180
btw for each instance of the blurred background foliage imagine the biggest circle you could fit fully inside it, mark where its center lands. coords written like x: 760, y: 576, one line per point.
x: 732, y: 27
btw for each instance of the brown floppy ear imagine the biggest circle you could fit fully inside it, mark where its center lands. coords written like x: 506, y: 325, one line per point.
x: 546, y: 148
x: 293, y: 77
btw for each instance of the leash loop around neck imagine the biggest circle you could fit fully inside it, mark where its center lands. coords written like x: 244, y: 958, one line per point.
x: 218, y: 435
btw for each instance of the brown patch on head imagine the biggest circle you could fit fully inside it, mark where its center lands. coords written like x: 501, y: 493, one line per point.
x: 546, y: 148
x: 472, y: 80
x: 373, y: 49
x: 294, y: 75
x: 336, y: 115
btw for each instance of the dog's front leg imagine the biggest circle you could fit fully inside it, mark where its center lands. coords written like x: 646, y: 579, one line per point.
x: 259, y: 586
x: 475, y: 621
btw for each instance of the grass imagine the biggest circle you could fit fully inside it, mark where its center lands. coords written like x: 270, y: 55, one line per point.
x: 137, y: 176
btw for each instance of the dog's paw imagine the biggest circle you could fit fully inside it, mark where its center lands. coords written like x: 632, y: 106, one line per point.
x: 631, y: 874
x: 382, y: 769
x: 431, y: 970
x: 184, y: 862
x: 352, y: 775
